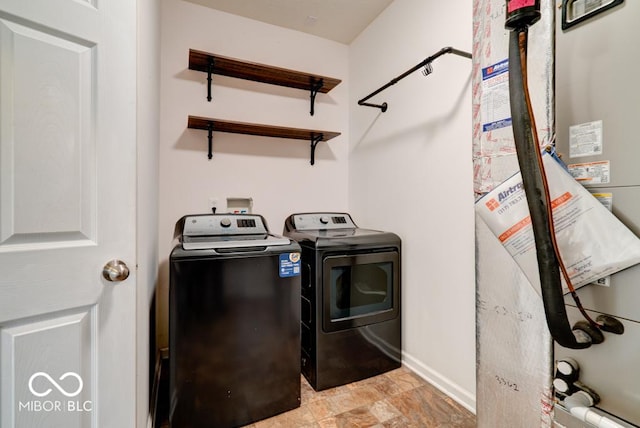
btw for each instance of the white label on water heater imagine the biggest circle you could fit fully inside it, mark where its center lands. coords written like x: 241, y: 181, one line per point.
x: 591, y: 172
x: 585, y: 139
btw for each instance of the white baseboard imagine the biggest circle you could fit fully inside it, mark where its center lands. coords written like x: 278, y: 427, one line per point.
x: 463, y: 397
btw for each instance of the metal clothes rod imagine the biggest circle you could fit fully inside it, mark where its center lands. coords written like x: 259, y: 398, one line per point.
x: 424, y: 63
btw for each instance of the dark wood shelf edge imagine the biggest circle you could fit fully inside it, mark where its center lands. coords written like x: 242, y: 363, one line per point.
x: 217, y: 125
x: 200, y: 61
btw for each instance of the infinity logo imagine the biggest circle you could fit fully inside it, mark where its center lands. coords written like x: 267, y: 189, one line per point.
x: 55, y: 384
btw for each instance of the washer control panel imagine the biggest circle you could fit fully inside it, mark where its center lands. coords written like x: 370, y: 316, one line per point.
x: 319, y: 221
x: 224, y: 224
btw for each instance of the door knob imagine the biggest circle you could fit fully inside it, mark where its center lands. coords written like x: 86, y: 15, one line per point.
x: 115, y: 271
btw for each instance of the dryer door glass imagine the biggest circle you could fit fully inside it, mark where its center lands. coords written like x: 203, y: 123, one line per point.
x: 359, y: 289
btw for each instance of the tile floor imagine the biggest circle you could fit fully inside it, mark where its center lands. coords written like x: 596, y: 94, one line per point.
x: 398, y: 398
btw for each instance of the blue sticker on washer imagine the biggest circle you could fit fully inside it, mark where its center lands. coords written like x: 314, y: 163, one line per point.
x: 289, y: 264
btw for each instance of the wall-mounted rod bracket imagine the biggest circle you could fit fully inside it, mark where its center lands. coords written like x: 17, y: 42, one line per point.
x: 316, y: 85
x: 383, y: 107
x: 426, y: 62
x: 210, y: 138
x: 315, y: 139
x: 209, y: 79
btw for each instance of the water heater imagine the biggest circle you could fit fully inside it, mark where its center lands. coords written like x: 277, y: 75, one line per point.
x: 597, y: 111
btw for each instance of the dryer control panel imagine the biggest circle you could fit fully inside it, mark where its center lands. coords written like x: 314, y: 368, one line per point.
x: 319, y: 221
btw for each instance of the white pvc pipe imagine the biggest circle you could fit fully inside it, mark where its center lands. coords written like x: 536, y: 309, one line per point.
x: 579, y: 405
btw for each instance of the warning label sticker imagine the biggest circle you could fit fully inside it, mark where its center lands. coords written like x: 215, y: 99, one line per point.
x: 289, y: 265
x: 591, y: 172
x: 585, y: 139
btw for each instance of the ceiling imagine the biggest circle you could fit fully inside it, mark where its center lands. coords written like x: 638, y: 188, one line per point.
x: 338, y: 20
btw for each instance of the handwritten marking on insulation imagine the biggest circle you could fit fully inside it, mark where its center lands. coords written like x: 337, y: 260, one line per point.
x: 501, y: 310
x: 507, y: 383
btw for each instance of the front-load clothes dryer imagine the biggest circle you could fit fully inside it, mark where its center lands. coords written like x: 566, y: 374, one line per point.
x: 234, y: 322
x: 350, y: 299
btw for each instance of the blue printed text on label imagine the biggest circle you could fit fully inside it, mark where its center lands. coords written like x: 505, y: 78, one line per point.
x: 289, y: 265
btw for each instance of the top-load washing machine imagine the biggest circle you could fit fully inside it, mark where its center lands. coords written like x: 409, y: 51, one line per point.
x: 234, y: 322
x: 350, y: 300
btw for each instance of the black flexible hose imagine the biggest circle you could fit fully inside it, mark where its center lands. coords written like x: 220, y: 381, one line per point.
x: 538, y: 198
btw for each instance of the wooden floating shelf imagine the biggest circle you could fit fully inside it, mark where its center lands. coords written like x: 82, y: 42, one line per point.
x: 216, y: 64
x: 257, y: 129
x: 232, y: 67
x: 216, y: 125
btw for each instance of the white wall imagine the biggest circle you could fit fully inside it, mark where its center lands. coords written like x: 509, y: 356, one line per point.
x: 148, y: 112
x: 274, y: 172
x: 410, y: 171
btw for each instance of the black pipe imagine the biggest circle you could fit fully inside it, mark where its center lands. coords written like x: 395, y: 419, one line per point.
x: 426, y: 61
x: 537, y: 198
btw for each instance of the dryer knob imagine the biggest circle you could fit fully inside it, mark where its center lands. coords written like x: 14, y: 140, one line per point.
x: 324, y: 219
x: 225, y: 222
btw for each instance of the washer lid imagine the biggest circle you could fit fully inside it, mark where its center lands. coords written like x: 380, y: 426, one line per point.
x: 232, y: 241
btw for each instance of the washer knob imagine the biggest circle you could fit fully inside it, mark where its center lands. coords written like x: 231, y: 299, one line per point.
x: 324, y: 219
x: 225, y: 222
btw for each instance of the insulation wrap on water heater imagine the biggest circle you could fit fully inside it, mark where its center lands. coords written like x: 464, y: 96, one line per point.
x: 514, y: 351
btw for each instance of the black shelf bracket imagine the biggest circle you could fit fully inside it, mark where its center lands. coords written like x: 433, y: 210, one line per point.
x: 316, y: 85
x: 315, y: 139
x: 209, y: 79
x: 210, y: 138
x: 428, y: 69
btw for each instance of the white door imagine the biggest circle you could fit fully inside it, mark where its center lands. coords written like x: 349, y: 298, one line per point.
x: 67, y: 207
